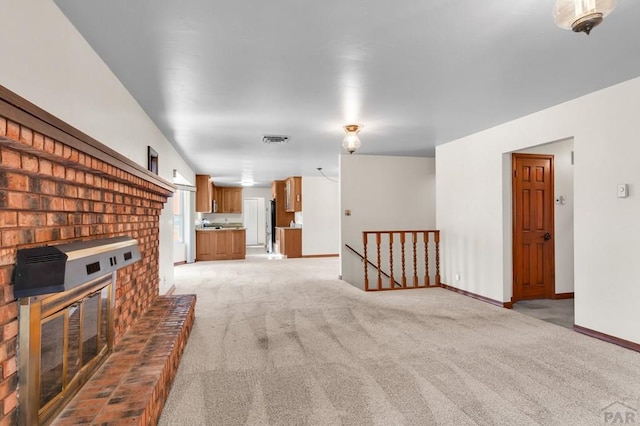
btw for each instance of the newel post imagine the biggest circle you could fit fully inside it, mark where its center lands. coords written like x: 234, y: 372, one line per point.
x: 437, y: 240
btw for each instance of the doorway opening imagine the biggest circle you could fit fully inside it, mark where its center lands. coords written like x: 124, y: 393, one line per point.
x: 251, y: 221
x: 554, y: 308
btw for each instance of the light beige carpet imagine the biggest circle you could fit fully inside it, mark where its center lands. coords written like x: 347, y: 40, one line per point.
x: 284, y: 342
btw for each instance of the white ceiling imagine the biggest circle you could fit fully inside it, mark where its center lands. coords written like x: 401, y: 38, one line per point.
x: 215, y: 76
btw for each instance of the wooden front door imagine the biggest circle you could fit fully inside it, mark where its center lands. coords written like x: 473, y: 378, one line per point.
x: 533, y: 233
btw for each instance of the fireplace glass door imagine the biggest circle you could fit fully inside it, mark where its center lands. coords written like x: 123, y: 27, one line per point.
x: 72, y: 338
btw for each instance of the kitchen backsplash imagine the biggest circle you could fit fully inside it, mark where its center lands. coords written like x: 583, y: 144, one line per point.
x: 223, y: 217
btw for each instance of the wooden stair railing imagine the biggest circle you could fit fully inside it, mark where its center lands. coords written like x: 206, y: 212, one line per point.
x: 414, y: 238
x: 373, y: 265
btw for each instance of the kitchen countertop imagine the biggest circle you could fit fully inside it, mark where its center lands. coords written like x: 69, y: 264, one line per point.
x: 288, y: 227
x: 212, y: 228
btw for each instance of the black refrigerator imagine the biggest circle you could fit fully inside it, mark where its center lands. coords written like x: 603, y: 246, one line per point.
x: 272, y: 228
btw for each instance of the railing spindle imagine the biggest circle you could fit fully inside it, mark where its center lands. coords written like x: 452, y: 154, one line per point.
x: 365, y: 240
x: 426, y: 259
x: 404, y: 274
x: 415, y: 259
x: 379, y: 270
x: 392, y: 281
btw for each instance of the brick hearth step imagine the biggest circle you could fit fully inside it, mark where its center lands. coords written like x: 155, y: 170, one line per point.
x: 133, y: 384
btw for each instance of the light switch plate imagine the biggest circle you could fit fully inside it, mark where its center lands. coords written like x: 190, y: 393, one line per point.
x: 623, y: 190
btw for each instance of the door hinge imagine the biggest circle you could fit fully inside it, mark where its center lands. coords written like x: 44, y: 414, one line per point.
x: 515, y: 173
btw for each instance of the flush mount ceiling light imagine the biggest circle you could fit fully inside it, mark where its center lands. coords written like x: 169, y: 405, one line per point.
x: 351, y: 141
x: 581, y: 15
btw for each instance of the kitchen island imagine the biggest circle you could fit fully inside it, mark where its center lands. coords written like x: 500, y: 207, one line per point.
x: 220, y: 244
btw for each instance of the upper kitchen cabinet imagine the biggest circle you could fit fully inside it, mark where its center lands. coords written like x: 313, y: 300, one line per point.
x: 293, y: 194
x: 203, y: 194
x: 208, y: 195
x: 215, y: 198
x: 232, y: 200
x: 283, y: 218
x: 229, y: 199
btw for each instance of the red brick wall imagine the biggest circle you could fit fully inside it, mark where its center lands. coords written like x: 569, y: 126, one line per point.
x: 51, y: 193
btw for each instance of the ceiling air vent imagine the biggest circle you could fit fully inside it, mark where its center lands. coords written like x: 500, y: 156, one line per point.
x: 271, y: 139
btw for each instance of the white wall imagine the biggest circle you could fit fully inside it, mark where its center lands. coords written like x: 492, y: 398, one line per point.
x: 471, y: 199
x: 166, y: 249
x: 185, y: 251
x: 321, y: 216
x: 383, y: 193
x: 55, y: 68
x: 223, y: 217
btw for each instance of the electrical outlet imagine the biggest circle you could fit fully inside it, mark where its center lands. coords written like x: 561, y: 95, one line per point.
x: 457, y: 277
x: 623, y: 190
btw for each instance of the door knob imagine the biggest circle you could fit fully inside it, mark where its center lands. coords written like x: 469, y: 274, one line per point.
x: 547, y: 236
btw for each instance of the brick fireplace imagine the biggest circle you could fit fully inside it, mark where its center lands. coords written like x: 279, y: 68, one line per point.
x: 58, y: 185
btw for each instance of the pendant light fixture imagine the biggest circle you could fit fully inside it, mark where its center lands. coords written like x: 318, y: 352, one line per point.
x: 581, y: 15
x: 351, y: 141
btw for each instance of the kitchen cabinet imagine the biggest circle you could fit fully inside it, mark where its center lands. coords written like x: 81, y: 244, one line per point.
x: 214, y: 198
x: 289, y: 242
x: 283, y: 218
x: 228, y: 199
x: 238, y: 247
x: 293, y: 194
x: 203, y: 194
x: 220, y: 244
x: 232, y: 200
